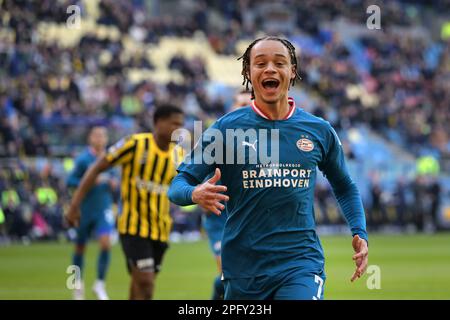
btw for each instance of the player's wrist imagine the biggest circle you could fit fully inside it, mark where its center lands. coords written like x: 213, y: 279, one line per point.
x: 363, y: 237
x: 192, y: 194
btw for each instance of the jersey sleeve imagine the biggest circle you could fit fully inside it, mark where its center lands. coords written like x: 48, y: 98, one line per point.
x: 199, y: 163
x: 74, y: 178
x: 335, y: 170
x: 333, y: 162
x: 122, y: 151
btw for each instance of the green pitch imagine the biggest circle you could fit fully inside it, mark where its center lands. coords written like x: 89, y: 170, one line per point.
x: 411, y: 267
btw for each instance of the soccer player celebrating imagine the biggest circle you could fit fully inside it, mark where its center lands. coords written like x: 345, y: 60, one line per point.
x: 96, y: 212
x: 270, y: 249
x: 148, y: 166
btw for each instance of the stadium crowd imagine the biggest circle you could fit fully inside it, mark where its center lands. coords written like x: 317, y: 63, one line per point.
x: 50, y: 95
x: 32, y: 202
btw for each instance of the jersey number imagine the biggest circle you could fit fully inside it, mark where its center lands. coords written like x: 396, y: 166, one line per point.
x: 318, y: 280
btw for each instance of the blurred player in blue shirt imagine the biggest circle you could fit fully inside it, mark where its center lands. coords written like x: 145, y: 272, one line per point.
x: 96, y: 211
x: 270, y: 249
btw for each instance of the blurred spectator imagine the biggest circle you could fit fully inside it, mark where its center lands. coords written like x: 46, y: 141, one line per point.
x: 377, y: 212
x: 400, y: 202
x: 323, y: 194
x: 31, y: 206
x: 422, y: 203
x: 435, y: 194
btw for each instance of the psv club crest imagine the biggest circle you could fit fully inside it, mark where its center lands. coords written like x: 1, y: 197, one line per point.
x: 305, y: 144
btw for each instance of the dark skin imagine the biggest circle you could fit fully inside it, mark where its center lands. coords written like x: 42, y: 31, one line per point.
x: 142, y: 282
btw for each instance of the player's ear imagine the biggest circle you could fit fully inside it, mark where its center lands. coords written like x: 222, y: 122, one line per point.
x: 294, y: 71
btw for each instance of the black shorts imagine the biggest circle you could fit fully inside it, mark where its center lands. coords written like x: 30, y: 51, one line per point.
x: 144, y: 254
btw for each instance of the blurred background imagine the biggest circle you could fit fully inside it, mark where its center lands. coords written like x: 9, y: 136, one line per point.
x: 386, y: 91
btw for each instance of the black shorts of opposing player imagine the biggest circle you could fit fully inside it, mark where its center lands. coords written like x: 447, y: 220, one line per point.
x: 146, y: 255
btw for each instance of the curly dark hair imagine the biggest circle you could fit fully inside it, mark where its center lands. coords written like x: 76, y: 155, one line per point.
x: 246, y: 60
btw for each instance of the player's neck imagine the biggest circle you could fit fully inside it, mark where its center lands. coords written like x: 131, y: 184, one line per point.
x: 162, y: 143
x: 274, y: 111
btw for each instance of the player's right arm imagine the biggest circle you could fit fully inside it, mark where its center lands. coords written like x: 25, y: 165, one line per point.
x: 88, y: 180
x: 187, y: 187
x: 185, y: 190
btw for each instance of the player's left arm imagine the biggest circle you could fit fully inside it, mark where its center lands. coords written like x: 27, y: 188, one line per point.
x: 334, y: 168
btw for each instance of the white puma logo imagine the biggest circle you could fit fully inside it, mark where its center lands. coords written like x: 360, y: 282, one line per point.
x: 248, y: 144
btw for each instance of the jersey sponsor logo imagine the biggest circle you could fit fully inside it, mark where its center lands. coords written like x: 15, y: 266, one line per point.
x: 276, y: 175
x: 251, y: 145
x: 144, y: 157
x: 151, y: 186
x: 145, y: 263
x: 305, y: 144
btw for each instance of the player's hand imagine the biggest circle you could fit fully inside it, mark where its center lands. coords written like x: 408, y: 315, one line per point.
x: 208, y: 195
x: 361, y: 256
x: 73, y: 216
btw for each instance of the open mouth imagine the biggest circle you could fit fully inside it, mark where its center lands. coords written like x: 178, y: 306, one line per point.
x: 270, y: 83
